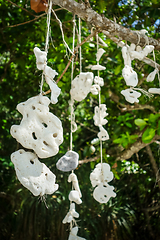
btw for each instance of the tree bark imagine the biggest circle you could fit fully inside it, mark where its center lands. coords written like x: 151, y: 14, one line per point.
x: 154, y: 165
x: 104, y: 24
x: 136, y: 147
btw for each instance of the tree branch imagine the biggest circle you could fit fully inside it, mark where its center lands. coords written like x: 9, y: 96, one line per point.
x: 135, y: 147
x: 93, y: 159
x: 121, y: 44
x: 20, y: 7
x: 154, y: 165
x: 127, y: 107
x: 32, y: 20
x: 103, y: 23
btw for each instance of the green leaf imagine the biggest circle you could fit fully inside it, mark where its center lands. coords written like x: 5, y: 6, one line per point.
x: 153, y: 117
x: 148, y: 135
x: 128, y: 124
x: 158, y: 130
x: 118, y: 69
x: 140, y: 123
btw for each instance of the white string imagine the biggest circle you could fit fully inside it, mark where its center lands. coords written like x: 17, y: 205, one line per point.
x: 48, y: 26
x: 47, y: 42
x: 80, y: 49
x: 101, y: 147
x: 143, y: 91
x: 72, y: 101
x: 60, y: 24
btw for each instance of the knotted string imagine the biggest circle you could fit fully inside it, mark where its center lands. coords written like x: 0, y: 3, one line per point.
x: 72, y: 101
x: 80, y: 49
x: 99, y: 94
x: 47, y: 41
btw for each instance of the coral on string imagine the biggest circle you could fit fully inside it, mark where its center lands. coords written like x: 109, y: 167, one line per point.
x: 33, y: 174
x: 130, y: 95
x: 81, y: 86
x: 73, y: 234
x: 71, y: 214
x: 68, y: 162
x: 39, y: 129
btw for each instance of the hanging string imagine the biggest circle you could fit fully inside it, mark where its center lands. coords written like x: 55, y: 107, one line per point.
x: 99, y: 94
x: 72, y: 101
x: 47, y: 41
x: 48, y: 26
x: 60, y: 24
x: 80, y: 49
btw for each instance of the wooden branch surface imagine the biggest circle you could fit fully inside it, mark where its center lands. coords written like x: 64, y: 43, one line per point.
x: 103, y: 23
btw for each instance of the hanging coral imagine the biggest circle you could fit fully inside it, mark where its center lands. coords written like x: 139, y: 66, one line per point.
x: 33, y: 174
x: 39, y: 129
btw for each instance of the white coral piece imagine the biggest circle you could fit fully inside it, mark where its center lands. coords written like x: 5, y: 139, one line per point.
x: 73, y: 234
x: 39, y: 129
x: 103, y: 134
x: 98, y: 80
x: 41, y: 58
x: 130, y: 76
x: 81, y: 86
x: 130, y: 95
x: 102, y: 194
x: 99, y: 115
x: 95, y: 89
x: 71, y: 214
x: 101, y: 174
x: 33, y: 174
x: 152, y: 75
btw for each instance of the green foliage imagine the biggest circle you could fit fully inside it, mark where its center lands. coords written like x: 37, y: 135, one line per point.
x: 151, y: 126
x: 125, y: 140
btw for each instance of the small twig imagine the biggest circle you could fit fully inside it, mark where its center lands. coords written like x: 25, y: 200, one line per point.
x: 90, y: 129
x: 20, y: 7
x: 151, y: 208
x: 92, y: 159
x: 76, y: 49
x: 19, y: 24
x: 70, y: 60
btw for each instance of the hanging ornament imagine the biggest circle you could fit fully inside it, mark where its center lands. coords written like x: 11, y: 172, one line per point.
x: 95, y: 89
x: 130, y: 76
x: 98, y: 67
x: 154, y: 90
x: 98, y: 80
x: 41, y: 58
x: 39, y: 129
x: 68, y: 162
x: 49, y: 73
x: 140, y: 54
x: 152, y: 75
x: 81, y: 86
x: 130, y: 53
x: 73, y: 178
x: 102, y: 193
x: 33, y: 174
x: 73, y: 234
x: 71, y: 214
x: 99, y: 115
x: 103, y: 134
x: 99, y: 54
x: 101, y: 176
x: 74, y: 195
x: 130, y: 95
